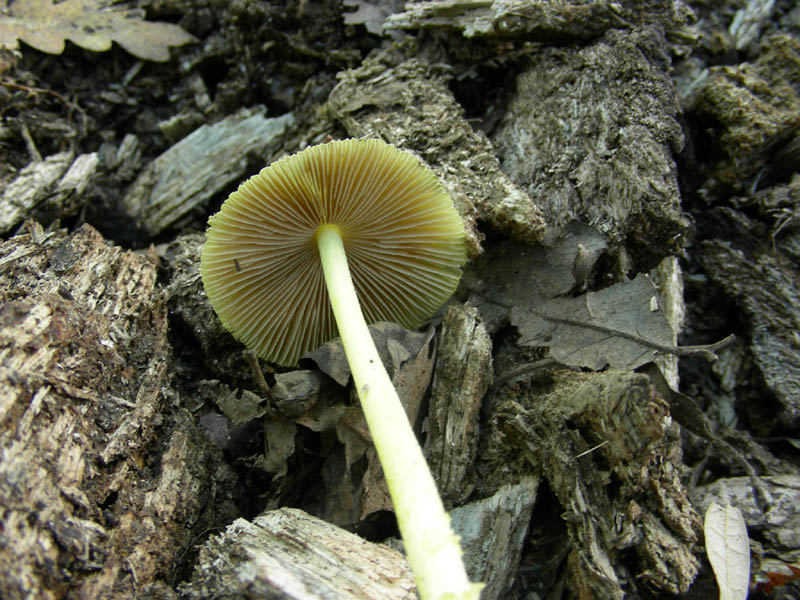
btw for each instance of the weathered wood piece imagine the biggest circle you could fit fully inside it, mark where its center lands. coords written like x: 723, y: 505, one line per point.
x: 493, y: 532
x: 510, y: 18
x: 668, y: 277
x: 47, y: 190
x: 768, y: 294
x: 100, y: 485
x: 30, y: 187
x: 748, y: 21
x: 611, y: 454
x: 591, y: 131
x: 754, y: 108
x: 210, y: 159
x: 778, y: 525
x: 463, y: 375
x: 407, y: 103
x: 779, y: 207
x: 291, y: 555
x: 540, y: 21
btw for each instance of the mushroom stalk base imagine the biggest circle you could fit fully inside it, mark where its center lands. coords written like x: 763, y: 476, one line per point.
x: 432, y: 548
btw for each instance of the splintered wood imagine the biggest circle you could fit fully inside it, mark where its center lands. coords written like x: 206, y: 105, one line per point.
x: 510, y: 18
x: 289, y: 554
x: 611, y: 454
x: 47, y: 189
x: 463, y: 374
x: 185, y: 177
x: 83, y: 365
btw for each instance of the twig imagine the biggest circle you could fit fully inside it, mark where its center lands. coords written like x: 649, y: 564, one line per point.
x: 190, y: 546
x: 706, y: 351
x: 37, y: 90
x: 592, y: 449
x: 30, y: 144
x: 763, y: 494
x: 252, y: 360
x: 524, y: 369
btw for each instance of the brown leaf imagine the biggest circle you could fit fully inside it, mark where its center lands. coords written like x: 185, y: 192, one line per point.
x: 537, y: 290
x: 621, y: 326
x: 91, y: 24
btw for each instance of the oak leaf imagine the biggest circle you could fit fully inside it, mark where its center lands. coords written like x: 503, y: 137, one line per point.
x: 91, y: 24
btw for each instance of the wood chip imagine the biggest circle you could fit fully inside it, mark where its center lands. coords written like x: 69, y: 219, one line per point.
x: 289, y: 554
x: 204, y: 163
x: 463, y: 374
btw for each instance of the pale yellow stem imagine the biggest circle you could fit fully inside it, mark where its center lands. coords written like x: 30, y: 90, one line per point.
x: 432, y: 548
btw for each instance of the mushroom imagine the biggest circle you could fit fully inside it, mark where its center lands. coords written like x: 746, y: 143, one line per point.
x: 312, y: 245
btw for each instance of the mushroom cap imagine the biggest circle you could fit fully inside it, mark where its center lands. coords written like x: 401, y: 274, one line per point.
x: 403, y: 238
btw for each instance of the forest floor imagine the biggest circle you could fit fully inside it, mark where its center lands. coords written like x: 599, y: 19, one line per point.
x: 621, y: 353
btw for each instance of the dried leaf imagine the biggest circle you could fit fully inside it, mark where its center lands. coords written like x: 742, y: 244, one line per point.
x: 621, y: 326
x: 728, y: 550
x: 395, y: 345
x: 296, y: 392
x: 598, y: 329
x: 279, y: 436
x: 91, y: 24
x: 409, y: 358
x: 241, y: 407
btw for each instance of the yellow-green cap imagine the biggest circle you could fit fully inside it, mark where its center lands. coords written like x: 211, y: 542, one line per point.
x: 403, y: 238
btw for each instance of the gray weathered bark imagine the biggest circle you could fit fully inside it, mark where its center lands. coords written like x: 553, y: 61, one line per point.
x: 291, y: 555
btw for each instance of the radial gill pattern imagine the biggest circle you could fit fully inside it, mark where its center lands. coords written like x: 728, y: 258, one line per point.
x: 403, y: 239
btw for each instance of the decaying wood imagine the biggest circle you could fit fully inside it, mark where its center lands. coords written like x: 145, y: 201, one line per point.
x: 540, y: 21
x: 510, y: 18
x: 599, y: 151
x: 755, y: 107
x: 47, y: 190
x: 769, y: 296
x: 209, y: 160
x: 101, y: 483
x: 669, y: 279
x: 463, y: 374
x: 493, y: 532
x: 778, y: 524
x: 611, y: 455
x: 779, y: 207
x: 289, y: 554
x: 406, y: 102
x: 748, y: 22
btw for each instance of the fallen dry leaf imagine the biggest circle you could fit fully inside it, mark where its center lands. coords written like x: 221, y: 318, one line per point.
x: 91, y: 24
x: 621, y: 326
x: 728, y: 550
x: 538, y: 291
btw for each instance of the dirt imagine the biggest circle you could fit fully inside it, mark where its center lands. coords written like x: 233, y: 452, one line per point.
x: 671, y: 134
